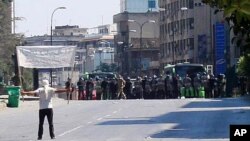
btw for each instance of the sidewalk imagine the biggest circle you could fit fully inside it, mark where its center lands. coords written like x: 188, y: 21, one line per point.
x: 29, y: 102
x: 2, y: 104
x: 26, y: 98
x: 4, y: 100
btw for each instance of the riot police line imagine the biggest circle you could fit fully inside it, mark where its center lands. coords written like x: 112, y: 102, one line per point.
x: 155, y: 87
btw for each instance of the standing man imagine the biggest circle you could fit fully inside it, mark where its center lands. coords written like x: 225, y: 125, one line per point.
x: 98, y: 89
x: 69, y: 84
x: 128, y: 88
x: 187, y: 82
x: 80, y: 85
x: 211, y: 86
x: 104, y: 86
x: 89, y: 89
x: 121, y: 84
x: 113, y: 88
x: 45, y: 106
x: 176, y: 84
x: 197, y: 85
x: 168, y: 86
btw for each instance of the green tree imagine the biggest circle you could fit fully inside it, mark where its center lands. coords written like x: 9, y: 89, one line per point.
x: 237, y: 14
x: 244, y: 65
x: 8, y: 41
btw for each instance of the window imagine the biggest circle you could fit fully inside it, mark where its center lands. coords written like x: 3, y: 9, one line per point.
x: 190, y: 23
x: 190, y: 4
x: 191, y: 43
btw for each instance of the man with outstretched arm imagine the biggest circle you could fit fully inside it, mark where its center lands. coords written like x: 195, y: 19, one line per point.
x: 45, y: 105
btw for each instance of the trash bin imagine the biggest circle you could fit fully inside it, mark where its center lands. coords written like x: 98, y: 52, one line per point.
x: 183, y: 92
x: 201, y: 92
x: 14, y: 96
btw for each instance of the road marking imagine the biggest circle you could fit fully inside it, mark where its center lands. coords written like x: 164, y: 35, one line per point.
x: 69, y: 131
x: 107, y: 116
x: 114, y: 112
x: 99, y: 119
x: 89, y: 122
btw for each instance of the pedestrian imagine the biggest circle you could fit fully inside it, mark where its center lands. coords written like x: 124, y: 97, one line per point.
x: 121, y: 84
x: 89, y: 89
x: 68, y: 85
x: 176, y: 84
x: 187, y: 82
x: 138, y: 88
x: 81, y: 85
x: 104, y: 86
x: 153, y: 84
x: 160, y: 88
x: 197, y: 85
x: 45, y: 106
x: 98, y: 89
x: 168, y: 86
x: 128, y: 88
x: 113, y: 88
x: 211, y: 86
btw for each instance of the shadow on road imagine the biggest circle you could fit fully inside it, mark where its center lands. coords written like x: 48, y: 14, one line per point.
x: 194, y: 123
x: 220, y: 103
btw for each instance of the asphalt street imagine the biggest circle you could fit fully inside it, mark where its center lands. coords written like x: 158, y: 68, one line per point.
x: 133, y: 120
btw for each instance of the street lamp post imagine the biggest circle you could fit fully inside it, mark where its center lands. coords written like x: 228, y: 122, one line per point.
x: 120, y: 44
x: 140, y: 43
x: 51, y: 34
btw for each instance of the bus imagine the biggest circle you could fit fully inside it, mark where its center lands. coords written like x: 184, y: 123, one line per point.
x: 100, y: 75
x: 185, y: 68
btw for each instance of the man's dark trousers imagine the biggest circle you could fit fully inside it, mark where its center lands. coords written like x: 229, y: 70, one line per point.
x: 49, y: 113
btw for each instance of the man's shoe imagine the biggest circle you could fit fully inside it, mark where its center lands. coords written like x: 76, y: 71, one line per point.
x: 39, y: 138
x: 53, y: 138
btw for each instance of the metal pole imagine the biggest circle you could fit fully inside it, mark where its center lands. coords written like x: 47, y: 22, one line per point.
x: 141, y: 49
x: 173, y: 47
x: 51, y: 41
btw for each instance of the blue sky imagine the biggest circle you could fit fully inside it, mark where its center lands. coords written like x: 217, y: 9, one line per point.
x: 36, y: 14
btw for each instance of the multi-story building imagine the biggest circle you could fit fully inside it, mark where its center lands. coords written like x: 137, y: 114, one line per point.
x: 137, y: 43
x: 190, y: 31
x: 96, y: 49
x: 94, y: 45
x: 138, y: 6
x: 68, y: 30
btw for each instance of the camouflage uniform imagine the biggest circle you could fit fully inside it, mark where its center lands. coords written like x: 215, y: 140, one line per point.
x: 197, y: 85
x: 187, y: 82
x: 168, y: 87
x: 138, y: 89
x: 160, y: 88
x: 121, y: 84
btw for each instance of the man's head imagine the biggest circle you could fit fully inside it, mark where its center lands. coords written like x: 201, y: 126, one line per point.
x: 45, y: 82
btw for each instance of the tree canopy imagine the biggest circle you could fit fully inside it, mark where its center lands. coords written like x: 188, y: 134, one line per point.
x: 8, y: 41
x: 237, y: 14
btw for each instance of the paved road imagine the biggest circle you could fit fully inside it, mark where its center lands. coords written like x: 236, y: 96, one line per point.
x: 134, y: 120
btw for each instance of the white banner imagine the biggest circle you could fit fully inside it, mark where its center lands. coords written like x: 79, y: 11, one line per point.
x: 46, y: 56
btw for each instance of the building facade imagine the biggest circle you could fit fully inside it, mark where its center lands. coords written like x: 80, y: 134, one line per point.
x: 94, y: 45
x: 96, y: 49
x: 188, y: 32
x: 137, y: 43
x: 138, y: 6
x: 68, y: 30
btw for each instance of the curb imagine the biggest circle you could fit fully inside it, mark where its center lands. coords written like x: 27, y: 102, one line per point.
x: 2, y: 105
x: 25, y: 98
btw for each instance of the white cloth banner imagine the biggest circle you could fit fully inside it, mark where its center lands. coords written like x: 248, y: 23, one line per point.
x: 45, y: 56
